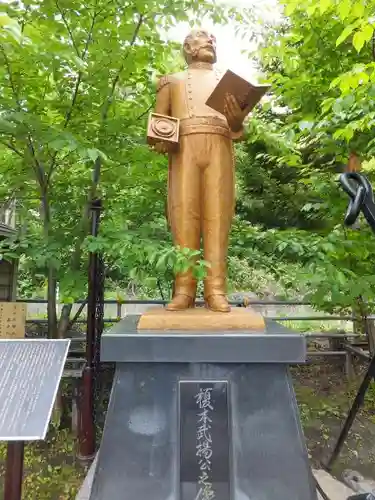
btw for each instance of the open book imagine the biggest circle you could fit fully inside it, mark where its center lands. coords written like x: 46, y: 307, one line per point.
x: 246, y: 93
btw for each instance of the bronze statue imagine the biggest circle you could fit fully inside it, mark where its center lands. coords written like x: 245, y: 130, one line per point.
x: 201, y: 171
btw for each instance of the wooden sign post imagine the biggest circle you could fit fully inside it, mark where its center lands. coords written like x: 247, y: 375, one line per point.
x: 12, y: 327
x: 30, y: 374
x: 12, y: 320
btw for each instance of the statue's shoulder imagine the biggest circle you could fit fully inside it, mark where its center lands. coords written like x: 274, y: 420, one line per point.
x: 163, y: 81
x: 182, y: 75
x: 170, y: 79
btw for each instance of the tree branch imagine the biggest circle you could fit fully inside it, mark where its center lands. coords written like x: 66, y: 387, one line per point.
x: 11, y: 79
x: 145, y: 112
x: 75, y: 258
x: 80, y: 74
x: 108, y: 101
x: 89, y: 35
x: 77, y: 315
x: 12, y: 148
x: 107, y: 104
x: 23, y: 23
x: 65, y: 21
x: 69, y: 112
x: 38, y: 169
x: 160, y: 289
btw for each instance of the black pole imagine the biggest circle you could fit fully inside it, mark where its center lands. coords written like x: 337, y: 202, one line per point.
x: 99, y: 327
x: 323, y: 494
x: 86, y: 421
x: 99, y: 309
x: 14, y: 471
x: 361, y: 196
x: 357, y: 403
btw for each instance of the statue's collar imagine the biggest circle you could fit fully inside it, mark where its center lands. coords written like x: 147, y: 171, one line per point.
x: 201, y: 65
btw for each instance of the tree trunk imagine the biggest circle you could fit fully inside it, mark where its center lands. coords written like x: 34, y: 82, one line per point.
x: 52, y: 305
x: 51, y: 275
x: 64, y: 321
x: 354, y: 163
x: 59, y: 407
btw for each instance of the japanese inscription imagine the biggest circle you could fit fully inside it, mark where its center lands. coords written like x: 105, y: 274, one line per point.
x: 30, y: 373
x: 12, y: 320
x: 204, y: 440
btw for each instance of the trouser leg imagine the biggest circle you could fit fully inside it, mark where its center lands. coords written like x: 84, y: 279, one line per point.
x: 218, y: 208
x: 184, y: 208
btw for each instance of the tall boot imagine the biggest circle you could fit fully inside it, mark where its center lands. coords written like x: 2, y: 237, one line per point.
x: 184, y: 215
x: 218, y: 203
x: 184, y: 293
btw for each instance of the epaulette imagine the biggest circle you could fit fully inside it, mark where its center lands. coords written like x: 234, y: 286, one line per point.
x: 163, y: 81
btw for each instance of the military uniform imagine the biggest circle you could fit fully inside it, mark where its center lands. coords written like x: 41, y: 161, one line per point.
x: 201, y: 174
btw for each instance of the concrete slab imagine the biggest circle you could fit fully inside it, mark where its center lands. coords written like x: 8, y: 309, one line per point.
x: 334, y: 489
x: 85, y: 491
x: 123, y: 343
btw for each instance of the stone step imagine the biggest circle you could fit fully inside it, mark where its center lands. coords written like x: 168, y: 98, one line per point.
x: 334, y: 489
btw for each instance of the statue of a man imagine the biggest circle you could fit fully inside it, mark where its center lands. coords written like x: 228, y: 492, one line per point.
x: 201, y: 172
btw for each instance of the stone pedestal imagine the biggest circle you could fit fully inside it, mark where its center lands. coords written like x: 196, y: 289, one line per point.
x: 202, y: 319
x: 163, y: 441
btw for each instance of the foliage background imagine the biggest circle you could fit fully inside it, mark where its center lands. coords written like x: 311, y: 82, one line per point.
x: 76, y: 85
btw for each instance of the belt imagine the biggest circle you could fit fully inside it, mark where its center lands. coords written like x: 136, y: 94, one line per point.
x: 204, y: 125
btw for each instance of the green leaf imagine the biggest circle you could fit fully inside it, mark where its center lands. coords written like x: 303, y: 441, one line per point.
x: 344, y: 133
x: 359, y: 39
x: 80, y: 63
x: 4, y: 19
x: 205, y: 263
x: 345, y: 33
x: 358, y: 9
x: 363, y: 78
x: 367, y: 32
x: 11, y: 26
x: 324, y: 5
x: 93, y: 154
x: 311, y: 9
x: 291, y: 6
x: 327, y: 104
x: 344, y: 7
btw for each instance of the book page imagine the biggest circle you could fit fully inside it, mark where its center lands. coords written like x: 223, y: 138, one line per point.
x: 246, y: 93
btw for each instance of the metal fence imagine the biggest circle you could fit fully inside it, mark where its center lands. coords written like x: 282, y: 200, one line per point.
x: 343, y: 344
x: 338, y: 346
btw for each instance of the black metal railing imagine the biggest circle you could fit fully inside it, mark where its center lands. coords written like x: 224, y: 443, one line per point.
x: 347, y: 347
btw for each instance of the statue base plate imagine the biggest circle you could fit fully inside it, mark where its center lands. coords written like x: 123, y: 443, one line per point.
x: 201, y: 319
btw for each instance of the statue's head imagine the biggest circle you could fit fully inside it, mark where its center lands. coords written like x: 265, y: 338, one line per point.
x: 200, y: 45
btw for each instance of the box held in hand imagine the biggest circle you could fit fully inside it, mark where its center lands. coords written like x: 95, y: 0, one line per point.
x: 162, y: 128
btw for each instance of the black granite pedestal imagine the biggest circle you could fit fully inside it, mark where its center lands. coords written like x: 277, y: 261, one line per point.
x: 202, y: 416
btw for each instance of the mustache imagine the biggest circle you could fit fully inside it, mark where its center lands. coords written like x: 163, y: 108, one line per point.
x: 208, y: 46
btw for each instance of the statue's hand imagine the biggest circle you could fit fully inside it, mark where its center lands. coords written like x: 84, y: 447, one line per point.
x: 161, y: 147
x: 233, y: 113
